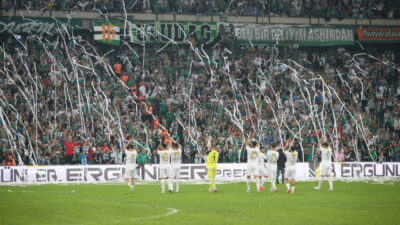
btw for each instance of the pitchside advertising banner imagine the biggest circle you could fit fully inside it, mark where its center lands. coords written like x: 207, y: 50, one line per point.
x: 38, y: 25
x: 304, y: 35
x: 172, y: 32
x: 190, y: 172
x: 379, y: 34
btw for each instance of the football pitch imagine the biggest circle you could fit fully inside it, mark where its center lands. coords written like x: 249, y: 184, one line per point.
x: 86, y: 204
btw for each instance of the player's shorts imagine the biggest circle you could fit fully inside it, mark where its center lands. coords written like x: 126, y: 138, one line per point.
x: 165, y: 172
x: 325, y: 169
x: 175, y: 172
x: 290, y: 172
x: 252, y: 170
x: 272, y: 172
x: 211, y: 172
x: 130, y: 172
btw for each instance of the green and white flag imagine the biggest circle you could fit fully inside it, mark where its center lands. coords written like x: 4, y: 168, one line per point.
x: 107, y: 32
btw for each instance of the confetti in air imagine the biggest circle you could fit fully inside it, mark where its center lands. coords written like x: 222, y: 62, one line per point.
x: 62, y: 87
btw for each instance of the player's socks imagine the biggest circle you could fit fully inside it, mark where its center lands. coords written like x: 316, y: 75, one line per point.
x: 319, y: 183
x: 163, y: 186
x: 248, y: 184
x: 177, y: 185
x: 212, y: 184
x: 330, y: 181
x: 170, y: 185
x: 288, y: 186
x: 273, y: 186
x: 293, y: 189
x: 258, y: 182
x: 262, y: 181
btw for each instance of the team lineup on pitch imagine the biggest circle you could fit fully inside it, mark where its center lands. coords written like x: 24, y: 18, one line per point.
x: 170, y: 154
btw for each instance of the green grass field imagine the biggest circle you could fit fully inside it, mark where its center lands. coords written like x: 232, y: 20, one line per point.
x: 350, y: 203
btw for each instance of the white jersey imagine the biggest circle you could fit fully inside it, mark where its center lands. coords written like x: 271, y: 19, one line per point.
x: 165, y: 156
x: 326, y: 155
x: 291, y: 158
x: 262, y: 168
x: 272, y: 156
x: 261, y: 160
x: 131, y: 158
x: 253, y: 155
x: 176, y: 156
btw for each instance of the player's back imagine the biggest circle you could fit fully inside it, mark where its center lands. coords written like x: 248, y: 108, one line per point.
x: 164, y: 157
x: 262, y: 158
x: 272, y: 156
x: 212, y: 159
x: 253, y: 155
x: 131, y: 157
x: 176, y: 156
x: 291, y: 158
x: 326, y: 155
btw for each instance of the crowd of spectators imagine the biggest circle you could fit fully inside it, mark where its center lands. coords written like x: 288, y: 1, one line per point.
x: 305, y: 8
x: 72, y: 101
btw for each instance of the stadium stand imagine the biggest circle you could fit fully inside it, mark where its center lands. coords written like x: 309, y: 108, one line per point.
x: 68, y: 97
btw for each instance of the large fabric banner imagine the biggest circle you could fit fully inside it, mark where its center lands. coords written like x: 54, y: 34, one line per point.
x: 107, y: 32
x: 38, y: 25
x: 189, y: 172
x: 379, y: 34
x: 304, y: 35
x: 172, y: 32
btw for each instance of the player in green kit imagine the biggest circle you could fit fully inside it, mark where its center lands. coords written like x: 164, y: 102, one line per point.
x: 212, y: 161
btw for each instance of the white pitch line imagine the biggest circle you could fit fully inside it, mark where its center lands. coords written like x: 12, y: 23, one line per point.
x: 169, y: 213
x: 172, y: 211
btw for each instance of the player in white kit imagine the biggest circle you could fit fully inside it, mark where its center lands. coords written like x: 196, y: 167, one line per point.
x: 165, y: 165
x: 272, y: 158
x: 130, y: 164
x: 325, y: 165
x: 176, y: 159
x: 253, y: 153
x: 290, y: 172
x: 262, y: 168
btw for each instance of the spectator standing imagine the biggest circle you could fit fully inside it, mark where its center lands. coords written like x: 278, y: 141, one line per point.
x: 340, y: 156
x: 281, y: 166
x: 198, y: 158
x: 142, y: 159
x: 232, y: 155
x: 118, y: 68
x: 10, y: 159
x: 70, y: 150
x: 155, y: 158
x: 83, y: 157
x: 91, y: 155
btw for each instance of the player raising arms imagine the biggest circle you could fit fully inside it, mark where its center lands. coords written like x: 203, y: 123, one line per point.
x: 253, y: 154
x: 325, y: 165
x: 130, y: 164
x: 176, y: 158
x: 290, y: 172
x: 211, y: 164
x: 165, y: 165
x: 272, y: 158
